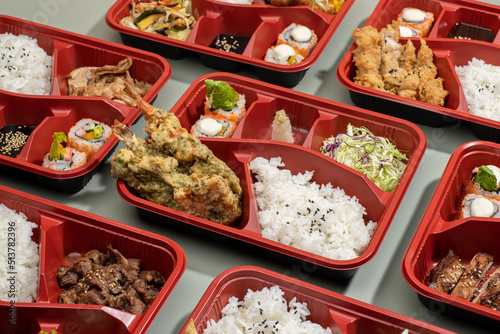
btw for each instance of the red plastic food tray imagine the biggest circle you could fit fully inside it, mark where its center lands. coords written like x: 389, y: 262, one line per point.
x: 63, y: 232
x: 448, y: 53
x: 58, y: 111
x: 262, y: 22
x: 313, y: 120
x: 441, y: 229
x: 329, y: 309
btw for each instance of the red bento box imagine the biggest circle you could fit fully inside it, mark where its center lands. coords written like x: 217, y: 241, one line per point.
x: 441, y: 229
x: 329, y: 309
x: 478, y: 20
x: 313, y: 120
x: 47, y: 114
x: 261, y: 22
x: 61, y: 233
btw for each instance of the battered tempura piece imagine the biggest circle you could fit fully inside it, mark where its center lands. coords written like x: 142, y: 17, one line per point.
x: 384, y: 64
x: 174, y: 168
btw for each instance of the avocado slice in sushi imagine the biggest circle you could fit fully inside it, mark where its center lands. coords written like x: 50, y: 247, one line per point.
x: 57, y: 149
x: 221, y: 95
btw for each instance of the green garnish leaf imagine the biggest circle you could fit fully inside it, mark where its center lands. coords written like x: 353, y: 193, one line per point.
x: 56, y: 147
x: 221, y: 95
x: 486, y: 179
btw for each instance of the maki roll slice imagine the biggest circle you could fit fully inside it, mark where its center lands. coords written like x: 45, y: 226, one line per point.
x: 300, y: 38
x: 482, y: 194
x: 88, y: 135
x: 213, y: 126
x: 63, y: 158
x: 283, y: 54
x: 224, y: 100
x: 414, y: 22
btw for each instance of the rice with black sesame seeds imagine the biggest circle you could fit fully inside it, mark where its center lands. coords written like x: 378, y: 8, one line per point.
x: 25, y: 68
x: 265, y: 311
x: 324, y: 220
x: 481, y: 86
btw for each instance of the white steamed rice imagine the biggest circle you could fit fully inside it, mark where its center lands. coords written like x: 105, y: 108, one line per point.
x: 25, y: 68
x: 481, y: 85
x: 265, y: 311
x: 26, y: 258
x: 320, y: 219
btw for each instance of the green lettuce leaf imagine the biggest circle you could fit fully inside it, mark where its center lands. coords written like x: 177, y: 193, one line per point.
x: 486, y: 179
x: 221, y: 95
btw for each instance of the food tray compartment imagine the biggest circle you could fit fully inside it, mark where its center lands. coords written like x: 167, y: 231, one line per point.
x: 448, y: 53
x: 441, y: 229
x: 63, y: 234
x: 263, y: 24
x: 313, y: 120
x: 329, y: 309
x: 58, y: 111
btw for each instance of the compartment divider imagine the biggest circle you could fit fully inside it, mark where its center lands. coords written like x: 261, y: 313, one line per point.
x: 347, y: 323
x: 267, y: 21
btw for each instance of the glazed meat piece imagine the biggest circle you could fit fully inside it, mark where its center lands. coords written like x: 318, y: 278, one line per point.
x: 445, y: 276
x: 109, y: 279
x: 103, y: 81
x: 66, y: 277
x: 473, y: 276
x: 135, y: 304
x: 490, y: 290
x: 173, y: 168
x: 95, y: 256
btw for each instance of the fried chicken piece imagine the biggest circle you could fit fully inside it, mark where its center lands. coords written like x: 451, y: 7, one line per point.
x: 431, y: 88
x: 367, y: 57
x: 408, y: 57
x: 384, y: 64
x: 174, y: 168
x: 392, y: 74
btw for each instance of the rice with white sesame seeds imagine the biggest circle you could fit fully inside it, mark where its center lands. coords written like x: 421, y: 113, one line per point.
x: 320, y: 219
x: 265, y: 311
x: 25, y: 68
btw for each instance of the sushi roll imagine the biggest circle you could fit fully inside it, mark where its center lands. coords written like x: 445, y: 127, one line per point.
x: 482, y: 193
x: 213, y: 126
x: 299, y: 37
x: 88, y: 135
x: 475, y: 205
x: 63, y: 158
x: 414, y: 22
x: 224, y: 100
x: 283, y: 54
x: 485, y: 180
